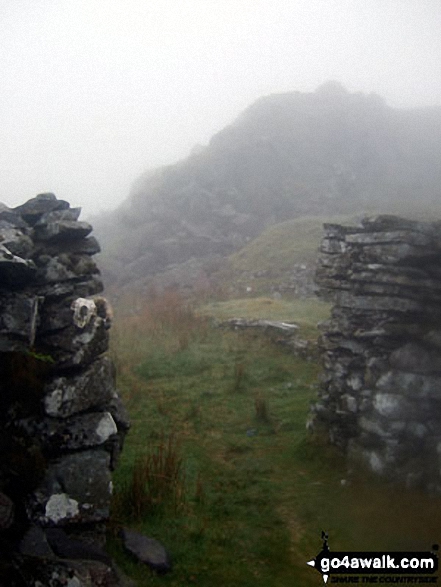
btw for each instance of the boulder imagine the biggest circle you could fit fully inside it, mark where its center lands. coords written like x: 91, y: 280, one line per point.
x: 146, y: 550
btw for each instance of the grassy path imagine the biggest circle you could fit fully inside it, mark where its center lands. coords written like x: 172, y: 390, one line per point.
x: 248, y: 492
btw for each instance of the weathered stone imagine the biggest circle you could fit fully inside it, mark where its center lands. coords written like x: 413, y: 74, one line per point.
x: 74, y: 289
x: 70, y: 214
x: 32, y: 210
x: 57, y: 314
x: 395, y: 236
x: 377, y: 427
x: 73, y: 573
x: 147, y: 550
x: 65, y: 267
x: 392, y: 406
x: 76, y: 489
x: 411, y: 385
x: 71, y: 347
x: 338, y: 231
x: 395, y: 254
x: 14, y: 271
x: 119, y: 413
x: 62, y: 230
x: 34, y: 543
x: 67, y: 547
x: 379, y: 303
x: 417, y: 429
x: 9, y: 217
x: 432, y: 296
x: 388, y: 222
x: 85, y: 246
x: 332, y: 246
x: 92, y: 389
x: 6, y: 511
x: 16, y: 242
x: 18, y: 319
x: 416, y: 358
x: 77, y: 432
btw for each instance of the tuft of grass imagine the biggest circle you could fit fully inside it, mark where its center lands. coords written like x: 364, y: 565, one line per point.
x: 161, y: 363
x: 239, y: 376
x: 262, y: 410
x: 156, y: 484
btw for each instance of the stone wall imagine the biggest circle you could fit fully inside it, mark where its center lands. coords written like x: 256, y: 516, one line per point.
x: 61, y: 421
x: 380, y: 397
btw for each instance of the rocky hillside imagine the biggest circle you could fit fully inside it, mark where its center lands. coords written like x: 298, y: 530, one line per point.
x: 288, y: 155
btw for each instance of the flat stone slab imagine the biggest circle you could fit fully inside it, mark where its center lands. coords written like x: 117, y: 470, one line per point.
x: 94, y: 388
x: 63, y: 230
x: 32, y: 210
x: 285, y: 327
x: 77, y: 432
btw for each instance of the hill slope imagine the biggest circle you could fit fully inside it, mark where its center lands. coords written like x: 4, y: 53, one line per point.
x: 288, y: 155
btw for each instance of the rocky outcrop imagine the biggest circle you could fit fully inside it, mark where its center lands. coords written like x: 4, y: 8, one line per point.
x: 380, y: 397
x: 286, y: 156
x: 62, y: 423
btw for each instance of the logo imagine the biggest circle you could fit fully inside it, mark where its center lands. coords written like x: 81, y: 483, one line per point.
x: 413, y: 567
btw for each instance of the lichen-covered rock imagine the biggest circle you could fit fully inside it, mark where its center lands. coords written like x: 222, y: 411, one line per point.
x: 62, y: 230
x: 64, y: 267
x: 18, y: 321
x: 72, y: 347
x: 77, y: 488
x: 91, y: 389
x: 77, y: 432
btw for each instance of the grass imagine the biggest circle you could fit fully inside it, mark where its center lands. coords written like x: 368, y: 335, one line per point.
x: 218, y: 465
x: 305, y: 313
x: 282, y: 245
x: 266, y: 262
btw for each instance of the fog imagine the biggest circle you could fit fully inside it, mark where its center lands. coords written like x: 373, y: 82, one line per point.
x: 95, y: 92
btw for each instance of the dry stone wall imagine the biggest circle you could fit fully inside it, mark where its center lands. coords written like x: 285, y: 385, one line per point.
x: 380, y: 396
x: 62, y: 423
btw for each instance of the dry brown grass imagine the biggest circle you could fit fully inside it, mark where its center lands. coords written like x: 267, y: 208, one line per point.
x: 165, y: 319
x: 157, y: 482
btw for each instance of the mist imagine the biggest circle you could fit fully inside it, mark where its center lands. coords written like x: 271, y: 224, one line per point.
x: 95, y: 93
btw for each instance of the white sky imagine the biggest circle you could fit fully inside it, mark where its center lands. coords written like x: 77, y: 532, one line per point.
x: 94, y: 92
